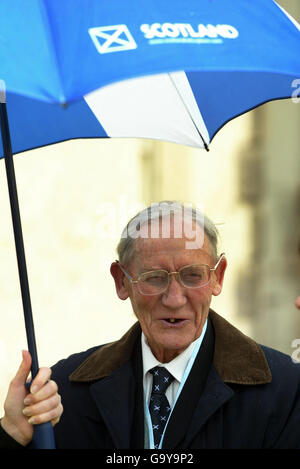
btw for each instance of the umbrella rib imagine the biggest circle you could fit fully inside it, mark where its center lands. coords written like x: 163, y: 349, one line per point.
x: 189, y: 113
x: 53, y: 51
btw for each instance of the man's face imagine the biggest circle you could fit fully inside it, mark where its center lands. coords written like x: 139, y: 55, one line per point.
x: 297, y: 302
x: 189, y: 307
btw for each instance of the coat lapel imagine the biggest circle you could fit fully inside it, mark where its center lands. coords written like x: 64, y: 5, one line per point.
x: 226, y: 356
x: 119, y: 399
x: 111, y: 375
x: 214, y: 396
x: 137, y: 434
x: 183, y: 412
x: 114, y: 397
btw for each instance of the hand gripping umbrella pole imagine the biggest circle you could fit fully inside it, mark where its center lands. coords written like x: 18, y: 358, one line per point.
x: 43, y: 434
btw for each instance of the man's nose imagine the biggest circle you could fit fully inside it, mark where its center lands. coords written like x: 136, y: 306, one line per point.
x: 174, y: 296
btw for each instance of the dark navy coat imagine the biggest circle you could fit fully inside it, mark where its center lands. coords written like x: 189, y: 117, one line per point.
x: 238, y: 395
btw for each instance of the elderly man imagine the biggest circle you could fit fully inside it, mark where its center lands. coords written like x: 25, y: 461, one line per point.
x: 182, y: 377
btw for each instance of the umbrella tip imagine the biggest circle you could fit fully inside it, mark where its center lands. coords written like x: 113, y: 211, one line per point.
x: 64, y: 105
x: 206, y: 146
x: 2, y: 91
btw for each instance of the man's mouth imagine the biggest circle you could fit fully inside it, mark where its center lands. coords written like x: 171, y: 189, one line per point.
x: 173, y: 320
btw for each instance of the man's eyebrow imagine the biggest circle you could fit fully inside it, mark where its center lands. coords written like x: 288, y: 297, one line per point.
x: 149, y: 269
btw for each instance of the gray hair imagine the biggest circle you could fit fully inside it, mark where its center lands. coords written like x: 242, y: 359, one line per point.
x: 155, y: 211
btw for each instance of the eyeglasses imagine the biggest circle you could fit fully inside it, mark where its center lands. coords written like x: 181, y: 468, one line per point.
x: 154, y: 282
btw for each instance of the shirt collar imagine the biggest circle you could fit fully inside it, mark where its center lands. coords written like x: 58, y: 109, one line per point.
x: 176, y: 366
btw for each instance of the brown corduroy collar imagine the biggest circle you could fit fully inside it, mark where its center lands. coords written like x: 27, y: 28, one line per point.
x: 237, y: 358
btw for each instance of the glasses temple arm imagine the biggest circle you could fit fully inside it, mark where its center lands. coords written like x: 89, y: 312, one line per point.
x: 125, y: 273
x: 217, y: 264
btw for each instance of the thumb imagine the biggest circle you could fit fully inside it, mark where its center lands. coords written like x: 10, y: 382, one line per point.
x: 24, y: 369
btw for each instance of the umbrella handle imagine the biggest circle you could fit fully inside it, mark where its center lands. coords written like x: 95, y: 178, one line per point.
x: 45, y: 434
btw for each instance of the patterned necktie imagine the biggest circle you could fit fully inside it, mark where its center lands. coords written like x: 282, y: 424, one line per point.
x: 159, y: 406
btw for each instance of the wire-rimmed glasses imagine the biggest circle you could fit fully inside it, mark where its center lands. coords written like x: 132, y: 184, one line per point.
x: 155, y: 282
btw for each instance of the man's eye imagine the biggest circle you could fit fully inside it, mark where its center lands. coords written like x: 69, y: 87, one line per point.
x: 154, y: 278
x: 193, y: 276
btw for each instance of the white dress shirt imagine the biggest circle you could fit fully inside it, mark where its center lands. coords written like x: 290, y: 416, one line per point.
x: 179, y: 368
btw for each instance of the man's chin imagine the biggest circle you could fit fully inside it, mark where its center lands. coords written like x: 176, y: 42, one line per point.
x: 170, y: 346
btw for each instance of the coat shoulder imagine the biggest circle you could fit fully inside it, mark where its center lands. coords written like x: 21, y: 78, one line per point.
x: 66, y: 366
x: 283, y: 367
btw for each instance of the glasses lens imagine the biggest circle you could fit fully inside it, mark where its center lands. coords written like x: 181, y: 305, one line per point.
x: 151, y: 283
x: 194, y: 276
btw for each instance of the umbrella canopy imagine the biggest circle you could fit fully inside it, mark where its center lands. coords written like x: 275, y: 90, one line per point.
x: 229, y: 57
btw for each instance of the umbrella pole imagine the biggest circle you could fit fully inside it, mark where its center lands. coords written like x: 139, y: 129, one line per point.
x: 19, y: 244
x: 43, y: 434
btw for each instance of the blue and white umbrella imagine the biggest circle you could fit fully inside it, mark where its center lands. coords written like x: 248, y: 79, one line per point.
x: 66, y: 66
x: 174, y: 70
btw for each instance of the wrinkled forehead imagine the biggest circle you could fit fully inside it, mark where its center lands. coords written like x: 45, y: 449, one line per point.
x: 171, y: 238
x: 173, y: 226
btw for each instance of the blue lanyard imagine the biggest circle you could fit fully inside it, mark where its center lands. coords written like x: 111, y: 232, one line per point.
x: 184, y: 378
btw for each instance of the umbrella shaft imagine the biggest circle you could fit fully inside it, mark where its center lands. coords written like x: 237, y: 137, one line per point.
x: 16, y: 219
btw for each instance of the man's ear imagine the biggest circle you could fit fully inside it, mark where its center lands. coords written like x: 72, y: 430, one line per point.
x: 119, y: 279
x: 219, y: 277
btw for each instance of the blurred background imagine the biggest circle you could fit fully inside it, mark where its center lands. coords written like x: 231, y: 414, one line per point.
x: 76, y: 197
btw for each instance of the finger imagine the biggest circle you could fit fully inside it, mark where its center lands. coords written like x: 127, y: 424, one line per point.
x: 42, y: 407
x: 23, y: 371
x: 49, y: 416
x: 55, y: 421
x: 40, y: 379
x: 48, y: 390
